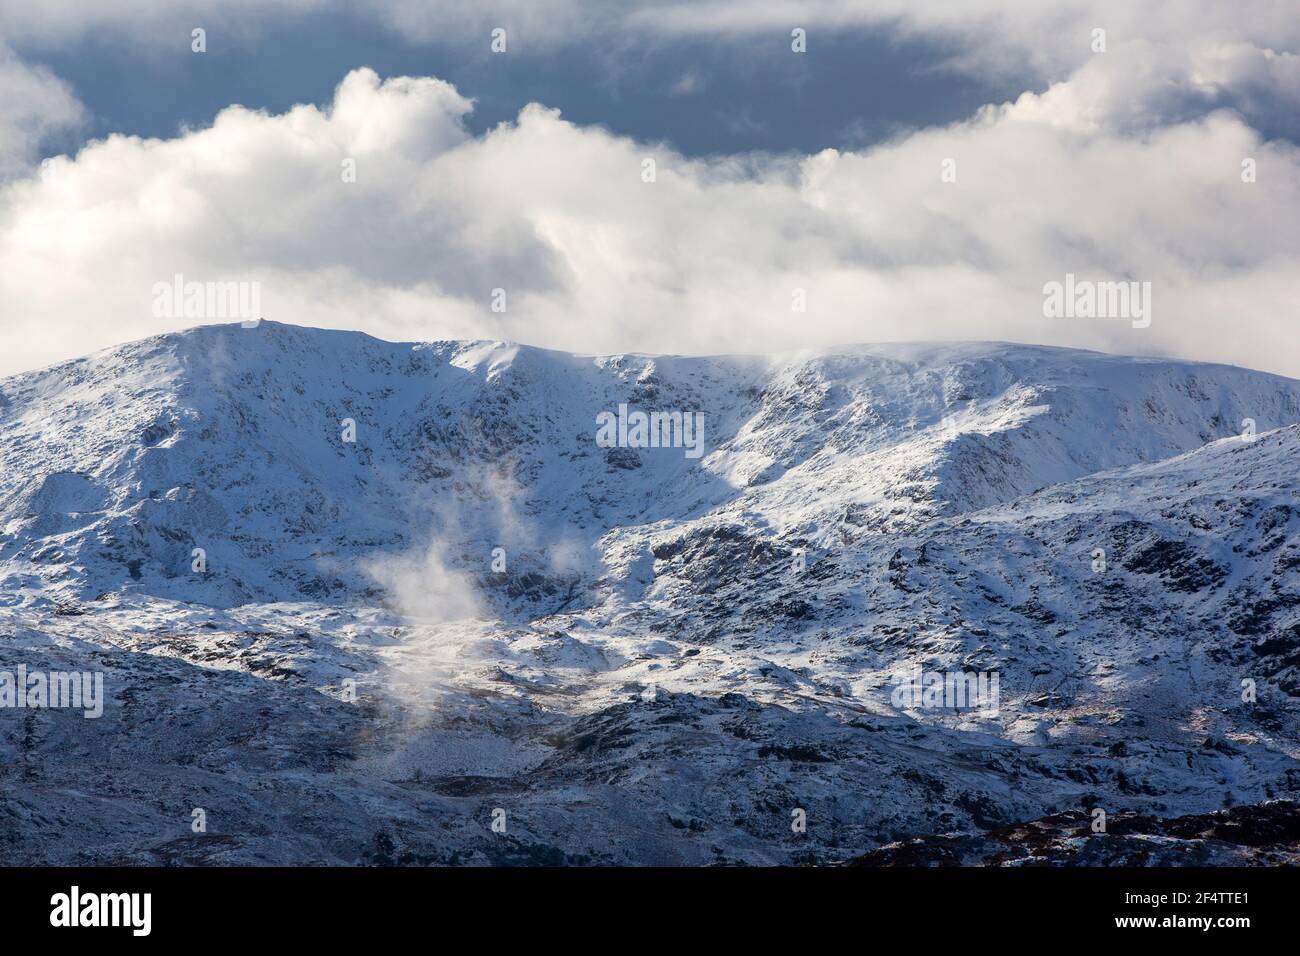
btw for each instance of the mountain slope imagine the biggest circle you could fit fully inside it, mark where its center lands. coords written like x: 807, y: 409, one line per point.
x: 680, y: 653
x: 230, y: 440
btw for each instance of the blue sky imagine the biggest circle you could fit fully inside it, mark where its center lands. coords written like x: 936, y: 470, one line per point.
x: 703, y: 95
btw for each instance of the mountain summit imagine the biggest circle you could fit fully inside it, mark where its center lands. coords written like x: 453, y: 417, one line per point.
x: 290, y: 454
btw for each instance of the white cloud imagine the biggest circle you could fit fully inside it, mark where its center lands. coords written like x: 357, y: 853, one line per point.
x: 1051, y: 38
x: 1122, y: 164
x: 704, y: 259
x: 34, y: 105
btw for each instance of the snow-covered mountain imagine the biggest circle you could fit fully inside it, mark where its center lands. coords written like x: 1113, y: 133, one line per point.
x: 637, y: 654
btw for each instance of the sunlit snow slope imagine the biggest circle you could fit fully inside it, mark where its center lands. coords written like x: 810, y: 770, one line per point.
x: 678, y: 652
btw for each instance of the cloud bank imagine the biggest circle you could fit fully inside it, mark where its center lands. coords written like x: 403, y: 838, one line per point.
x: 1124, y: 165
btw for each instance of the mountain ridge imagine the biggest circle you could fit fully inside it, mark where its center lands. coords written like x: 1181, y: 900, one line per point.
x: 167, y: 457
x: 675, y: 655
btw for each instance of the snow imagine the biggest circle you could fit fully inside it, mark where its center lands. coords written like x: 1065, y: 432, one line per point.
x: 651, y: 679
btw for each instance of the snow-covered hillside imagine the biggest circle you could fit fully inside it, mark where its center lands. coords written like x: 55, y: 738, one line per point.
x: 669, y: 655
x: 117, y: 466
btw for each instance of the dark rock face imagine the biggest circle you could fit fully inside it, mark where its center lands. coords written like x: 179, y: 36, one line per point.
x: 625, y: 459
x: 1178, y: 565
x: 1267, y: 834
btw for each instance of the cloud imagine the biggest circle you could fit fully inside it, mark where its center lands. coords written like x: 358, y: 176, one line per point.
x: 145, y: 23
x: 160, y: 23
x: 1142, y: 86
x: 35, y: 106
x: 426, y: 587
x: 1081, y: 177
x: 687, y: 84
x: 1053, y: 39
